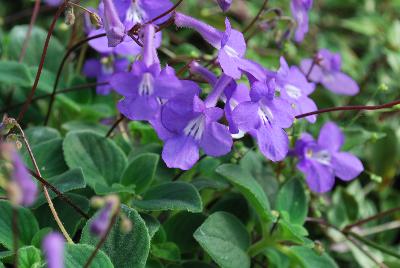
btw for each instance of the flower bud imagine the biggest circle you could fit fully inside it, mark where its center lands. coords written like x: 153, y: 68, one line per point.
x: 53, y: 247
x: 100, y: 224
x: 69, y: 15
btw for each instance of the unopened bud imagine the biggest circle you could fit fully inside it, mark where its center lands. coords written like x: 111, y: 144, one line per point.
x: 319, y: 248
x: 14, y: 193
x: 69, y: 15
x: 95, y: 20
x: 7, y: 124
x: 126, y: 224
x: 383, y: 87
x: 97, y: 202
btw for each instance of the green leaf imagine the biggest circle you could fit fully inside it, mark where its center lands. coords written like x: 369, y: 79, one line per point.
x: 70, y: 218
x: 37, y: 135
x: 68, y: 181
x: 292, y: 199
x: 248, y: 186
x: 101, y: 189
x: 225, y: 239
x: 29, y: 257
x: 101, y: 160
x: 152, y: 224
x: 140, y: 172
x: 34, y: 50
x: 167, y: 251
x: 276, y: 259
x: 76, y: 255
x: 171, y: 196
x: 27, y: 225
x: 310, y: 259
x: 128, y: 250
x: 286, y: 231
x: 1, y: 265
x: 49, y: 158
x: 180, y: 228
x: 38, y: 237
x: 15, y: 74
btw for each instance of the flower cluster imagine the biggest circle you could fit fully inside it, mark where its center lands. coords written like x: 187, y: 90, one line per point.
x: 188, y: 120
x: 21, y: 188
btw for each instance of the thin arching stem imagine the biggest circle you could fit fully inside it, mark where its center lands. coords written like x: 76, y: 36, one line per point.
x: 103, y: 238
x: 165, y: 13
x: 351, y: 108
x: 35, y: 12
x: 60, y: 69
x: 257, y: 17
x: 59, y: 194
x: 114, y: 126
x: 46, y: 193
x: 42, y: 59
x: 66, y: 90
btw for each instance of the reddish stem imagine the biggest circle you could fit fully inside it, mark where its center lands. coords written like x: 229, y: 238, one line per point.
x: 40, y: 68
x: 35, y: 12
x: 351, y: 108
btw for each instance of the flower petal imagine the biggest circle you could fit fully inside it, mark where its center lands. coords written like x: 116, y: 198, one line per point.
x: 273, y: 142
x: 125, y: 84
x: 331, y: 137
x: 347, y: 166
x: 216, y: 140
x: 340, y: 83
x: 320, y: 178
x: 139, y: 108
x: 245, y: 116
x: 180, y: 152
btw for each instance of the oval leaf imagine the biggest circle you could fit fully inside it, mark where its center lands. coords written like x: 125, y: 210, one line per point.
x: 78, y: 254
x: 128, y: 250
x: 171, y: 196
x: 248, y: 186
x: 101, y: 160
x: 225, y: 239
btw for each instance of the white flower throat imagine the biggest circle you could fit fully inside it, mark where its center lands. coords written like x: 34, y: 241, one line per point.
x: 323, y: 156
x: 293, y: 91
x: 265, y: 114
x: 134, y: 13
x: 195, y: 127
x: 146, y: 86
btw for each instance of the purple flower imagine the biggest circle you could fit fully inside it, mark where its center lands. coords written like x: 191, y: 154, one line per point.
x: 264, y: 117
x: 327, y: 71
x: 100, y: 224
x: 224, y: 4
x: 145, y: 87
x: 115, y: 29
x: 26, y: 186
x: 53, y: 2
x: 300, y: 9
x: 295, y: 88
x: 231, y: 44
x: 103, y: 70
x: 53, y: 247
x: 193, y: 125
x: 130, y: 13
x: 322, y: 160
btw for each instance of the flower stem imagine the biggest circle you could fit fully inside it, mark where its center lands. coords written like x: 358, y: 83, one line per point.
x: 46, y: 193
x: 60, y: 69
x: 374, y: 217
x: 257, y: 17
x: 103, y: 239
x: 351, y: 108
x: 165, y: 13
x: 41, y: 64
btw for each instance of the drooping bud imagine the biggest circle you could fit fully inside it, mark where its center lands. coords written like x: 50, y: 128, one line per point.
x: 53, y: 247
x: 69, y: 15
x: 22, y: 190
x: 115, y: 29
x: 6, y: 125
x: 100, y: 224
x: 224, y: 4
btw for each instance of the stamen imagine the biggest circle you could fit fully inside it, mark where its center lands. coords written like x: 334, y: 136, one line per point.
x: 195, y: 128
x: 146, y: 86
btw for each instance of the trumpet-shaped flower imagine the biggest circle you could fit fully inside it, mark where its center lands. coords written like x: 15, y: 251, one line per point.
x: 322, y: 160
x: 327, y: 70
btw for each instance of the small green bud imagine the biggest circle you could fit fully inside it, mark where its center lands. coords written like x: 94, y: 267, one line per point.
x: 318, y: 247
x: 383, y: 87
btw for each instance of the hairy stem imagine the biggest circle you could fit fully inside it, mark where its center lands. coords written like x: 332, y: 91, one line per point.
x: 46, y: 193
x: 103, y: 238
x: 374, y: 217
